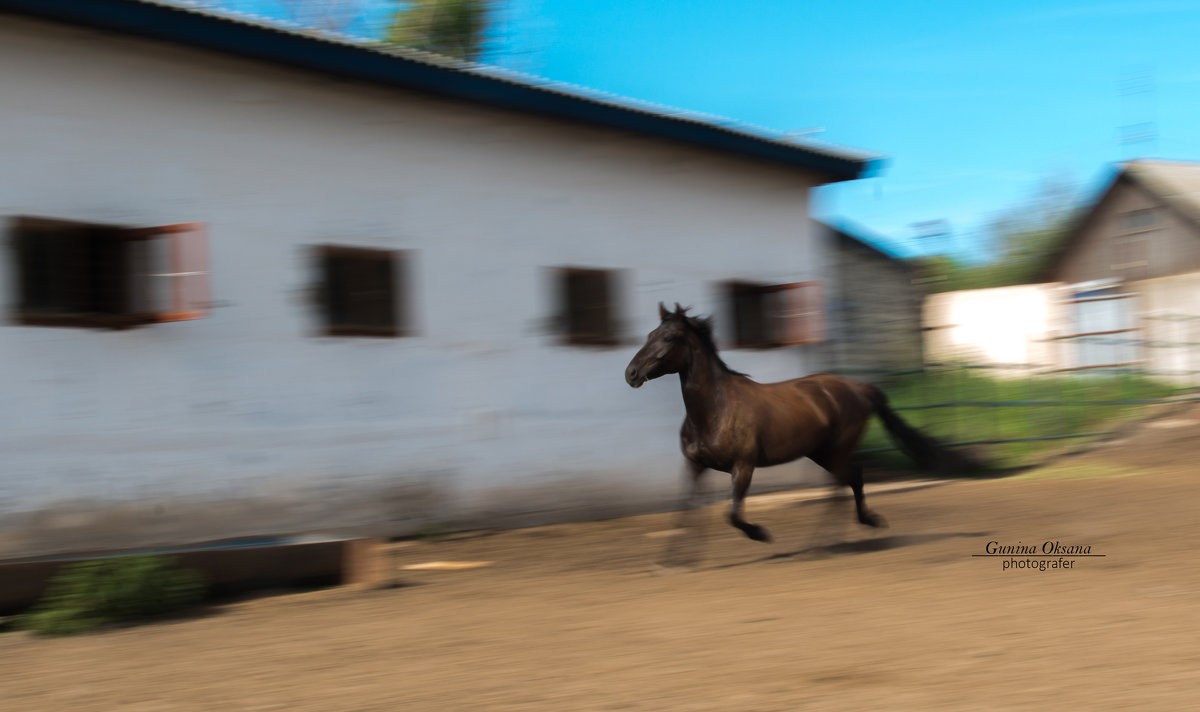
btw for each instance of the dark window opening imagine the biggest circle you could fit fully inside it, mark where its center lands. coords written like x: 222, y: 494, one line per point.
x: 587, y: 303
x: 91, y: 275
x: 362, y: 290
x: 1140, y: 219
x: 1131, y: 257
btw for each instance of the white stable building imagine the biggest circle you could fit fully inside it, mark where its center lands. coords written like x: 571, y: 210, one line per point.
x: 259, y: 281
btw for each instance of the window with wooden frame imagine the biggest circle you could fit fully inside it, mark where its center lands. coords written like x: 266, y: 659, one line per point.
x: 1131, y: 256
x: 588, y: 308
x: 362, y: 291
x: 92, y: 275
x: 1137, y: 220
x: 773, y: 315
x: 1131, y: 245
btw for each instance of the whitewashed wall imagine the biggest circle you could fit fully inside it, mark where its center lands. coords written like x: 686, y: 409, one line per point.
x: 1004, y: 326
x: 1019, y: 325
x: 248, y: 422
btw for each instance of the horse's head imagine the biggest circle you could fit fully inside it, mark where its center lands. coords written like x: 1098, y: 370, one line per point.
x: 667, y: 348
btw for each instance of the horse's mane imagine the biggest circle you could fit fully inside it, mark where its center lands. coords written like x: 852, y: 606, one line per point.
x: 702, y: 327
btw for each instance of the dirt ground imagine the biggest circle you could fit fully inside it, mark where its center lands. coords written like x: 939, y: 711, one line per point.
x: 579, y: 617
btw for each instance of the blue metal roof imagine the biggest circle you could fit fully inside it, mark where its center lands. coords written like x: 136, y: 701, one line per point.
x: 413, y: 69
x: 886, y: 247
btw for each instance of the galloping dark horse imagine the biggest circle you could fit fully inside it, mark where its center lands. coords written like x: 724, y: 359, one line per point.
x: 734, y: 424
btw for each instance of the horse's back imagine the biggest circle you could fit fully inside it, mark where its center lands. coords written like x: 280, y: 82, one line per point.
x: 794, y: 418
x: 835, y: 387
x: 838, y: 398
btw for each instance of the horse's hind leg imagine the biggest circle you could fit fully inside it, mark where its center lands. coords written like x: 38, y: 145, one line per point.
x: 829, y: 525
x: 865, y: 515
x: 840, y: 464
x: 742, y: 474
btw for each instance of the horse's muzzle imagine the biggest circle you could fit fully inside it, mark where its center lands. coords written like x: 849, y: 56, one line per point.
x: 633, y: 377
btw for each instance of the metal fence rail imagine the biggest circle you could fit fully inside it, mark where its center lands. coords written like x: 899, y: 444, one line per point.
x: 1071, y: 388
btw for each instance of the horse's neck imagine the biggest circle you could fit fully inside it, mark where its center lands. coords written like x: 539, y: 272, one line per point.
x: 703, y: 383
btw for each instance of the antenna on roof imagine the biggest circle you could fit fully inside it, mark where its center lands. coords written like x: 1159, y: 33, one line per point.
x: 1138, y: 136
x: 934, y: 236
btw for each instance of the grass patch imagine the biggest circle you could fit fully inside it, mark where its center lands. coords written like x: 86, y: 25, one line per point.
x: 1039, y: 406
x: 88, y: 594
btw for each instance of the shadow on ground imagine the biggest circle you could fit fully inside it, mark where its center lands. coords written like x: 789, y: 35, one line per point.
x: 862, y: 546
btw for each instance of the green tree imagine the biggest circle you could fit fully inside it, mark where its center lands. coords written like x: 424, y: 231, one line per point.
x: 1025, y: 236
x: 455, y: 28
x: 329, y: 15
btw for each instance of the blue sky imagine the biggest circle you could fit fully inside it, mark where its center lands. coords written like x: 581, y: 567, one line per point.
x: 975, y: 105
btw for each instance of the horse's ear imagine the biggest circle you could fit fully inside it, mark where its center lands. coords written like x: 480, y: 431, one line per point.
x: 662, y: 312
x: 679, y: 310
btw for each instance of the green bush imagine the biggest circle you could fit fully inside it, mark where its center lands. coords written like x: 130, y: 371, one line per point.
x: 91, y: 593
x: 1045, y: 407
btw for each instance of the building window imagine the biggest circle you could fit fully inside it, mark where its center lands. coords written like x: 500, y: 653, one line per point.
x: 1131, y: 256
x: 92, y: 275
x: 1135, y: 220
x: 362, y: 291
x: 1131, y: 246
x: 772, y: 315
x: 587, y: 304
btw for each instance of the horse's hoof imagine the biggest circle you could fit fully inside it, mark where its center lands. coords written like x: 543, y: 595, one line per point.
x: 758, y: 533
x: 872, y: 519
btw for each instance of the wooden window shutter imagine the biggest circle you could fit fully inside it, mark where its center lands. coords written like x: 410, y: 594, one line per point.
x: 800, y: 314
x: 179, y: 281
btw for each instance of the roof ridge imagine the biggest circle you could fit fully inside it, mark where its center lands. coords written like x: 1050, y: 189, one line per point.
x: 528, y: 92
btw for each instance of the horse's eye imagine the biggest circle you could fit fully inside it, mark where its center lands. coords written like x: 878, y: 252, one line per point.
x: 668, y: 339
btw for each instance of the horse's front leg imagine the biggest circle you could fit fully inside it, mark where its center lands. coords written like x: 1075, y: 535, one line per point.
x: 685, y: 547
x: 742, y: 474
x: 693, y: 474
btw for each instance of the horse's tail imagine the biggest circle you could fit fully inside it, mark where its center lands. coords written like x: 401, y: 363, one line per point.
x: 928, y: 453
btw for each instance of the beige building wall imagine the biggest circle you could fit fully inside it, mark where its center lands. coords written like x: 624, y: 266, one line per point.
x: 1168, y: 245
x: 1170, y: 321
